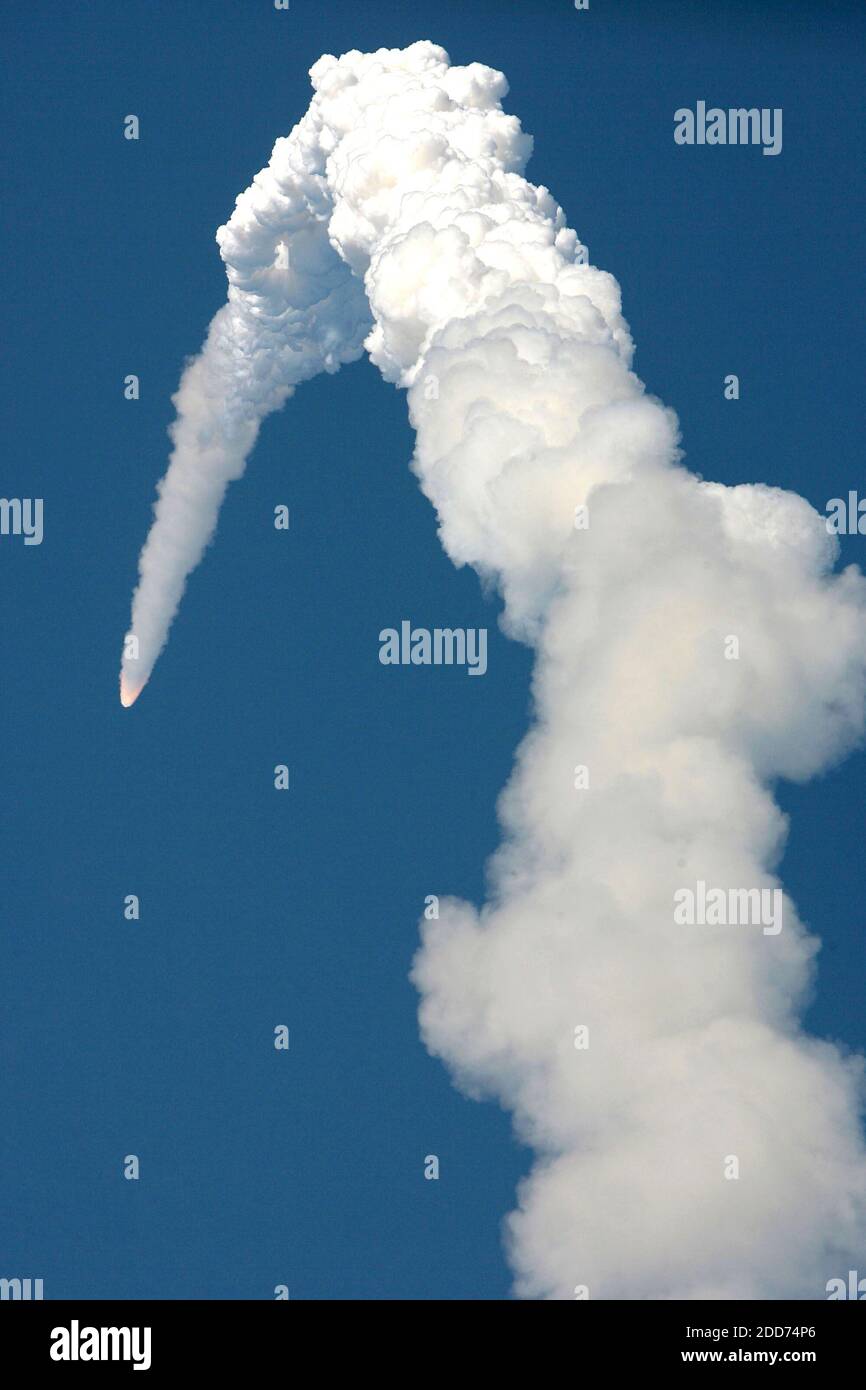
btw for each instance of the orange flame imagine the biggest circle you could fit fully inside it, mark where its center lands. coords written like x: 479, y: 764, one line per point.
x: 128, y: 693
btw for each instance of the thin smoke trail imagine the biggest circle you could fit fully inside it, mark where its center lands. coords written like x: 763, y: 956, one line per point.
x: 693, y: 644
x: 294, y: 310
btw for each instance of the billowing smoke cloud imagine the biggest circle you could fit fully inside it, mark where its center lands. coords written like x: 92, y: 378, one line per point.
x: 693, y: 644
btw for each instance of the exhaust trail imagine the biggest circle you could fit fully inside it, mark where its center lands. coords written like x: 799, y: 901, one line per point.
x: 294, y: 309
x: 693, y: 645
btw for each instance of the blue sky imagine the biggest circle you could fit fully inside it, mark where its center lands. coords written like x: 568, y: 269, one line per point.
x: 155, y: 1037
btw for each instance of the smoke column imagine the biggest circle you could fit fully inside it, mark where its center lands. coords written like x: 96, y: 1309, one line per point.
x: 395, y: 217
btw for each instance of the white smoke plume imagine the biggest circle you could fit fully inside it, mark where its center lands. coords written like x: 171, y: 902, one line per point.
x: 399, y: 201
x: 294, y: 309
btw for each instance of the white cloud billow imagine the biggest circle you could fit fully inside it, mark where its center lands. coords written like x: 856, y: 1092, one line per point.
x: 395, y: 216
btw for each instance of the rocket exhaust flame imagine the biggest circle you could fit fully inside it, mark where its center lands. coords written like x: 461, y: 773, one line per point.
x: 128, y: 693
